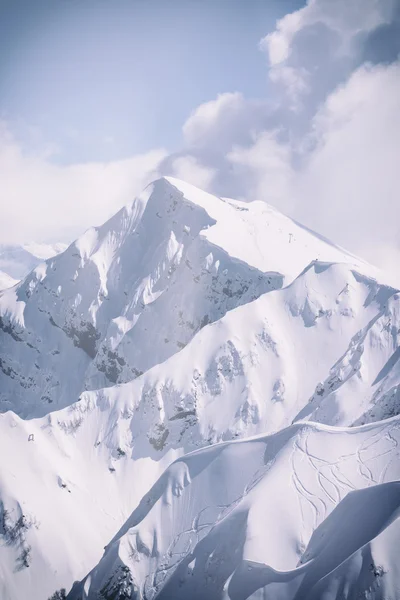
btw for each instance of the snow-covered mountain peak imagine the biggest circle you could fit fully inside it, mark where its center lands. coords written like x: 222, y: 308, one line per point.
x: 131, y: 293
x: 259, y: 234
x: 191, y: 323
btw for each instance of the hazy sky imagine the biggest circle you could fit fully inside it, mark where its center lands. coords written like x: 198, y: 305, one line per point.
x: 294, y: 103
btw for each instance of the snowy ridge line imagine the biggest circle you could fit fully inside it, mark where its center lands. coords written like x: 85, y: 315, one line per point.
x: 88, y: 403
x: 320, y: 265
x: 296, y: 427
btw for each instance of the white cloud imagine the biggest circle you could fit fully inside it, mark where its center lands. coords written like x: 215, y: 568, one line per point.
x: 311, y: 48
x: 221, y: 122
x: 45, y: 201
x: 189, y: 169
x: 349, y: 185
x: 212, y: 115
x: 278, y: 42
x: 345, y: 17
x: 266, y: 166
x: 294, y: 81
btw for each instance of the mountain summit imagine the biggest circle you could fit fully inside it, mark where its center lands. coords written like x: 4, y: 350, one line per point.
x: 131, y: 293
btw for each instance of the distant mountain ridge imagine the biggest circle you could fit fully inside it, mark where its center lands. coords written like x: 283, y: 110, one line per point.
x: 6, y: 281
x: 17, y: 261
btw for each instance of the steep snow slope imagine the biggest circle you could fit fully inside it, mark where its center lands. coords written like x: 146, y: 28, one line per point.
x: 63, y: 497
x: 368, y: 373
x: 130, y: 294
x: 18, y: 261
x: 254, y: 519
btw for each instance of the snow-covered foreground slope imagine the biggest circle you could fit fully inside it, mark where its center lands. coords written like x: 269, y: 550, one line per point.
x: 270, y: 517
x: 132, y: 293
x: 64, y: 496
x: 185, y: 321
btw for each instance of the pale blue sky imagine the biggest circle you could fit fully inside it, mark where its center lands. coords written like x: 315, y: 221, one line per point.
x: 104, y: 79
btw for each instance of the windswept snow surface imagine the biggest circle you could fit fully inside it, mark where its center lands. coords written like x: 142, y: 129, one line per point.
x: 186, y: 324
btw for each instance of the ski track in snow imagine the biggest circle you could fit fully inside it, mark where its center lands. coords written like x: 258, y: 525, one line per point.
x: 396, y: 445
x: 320, y: 500
x: 156, y: 578
x: 305, y: 494
x: 338, y: 477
